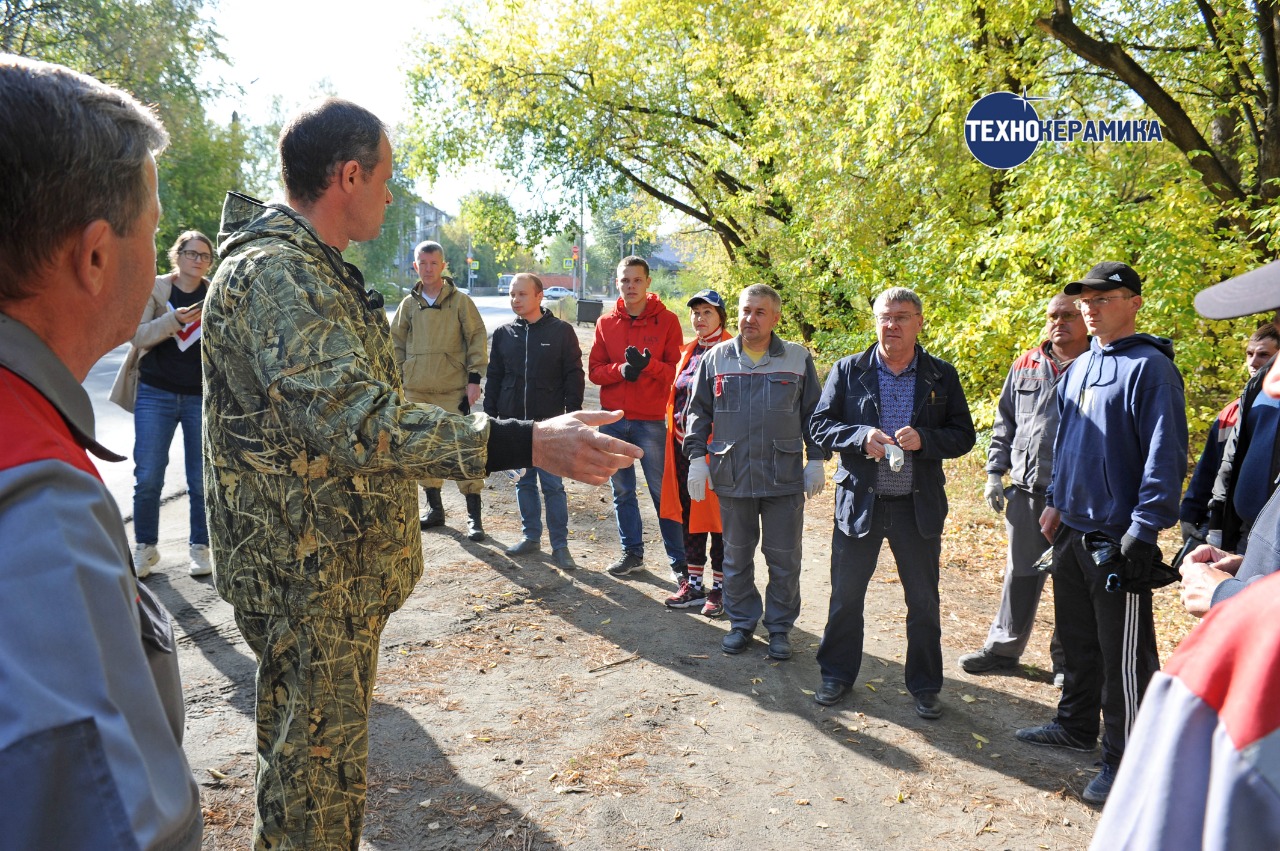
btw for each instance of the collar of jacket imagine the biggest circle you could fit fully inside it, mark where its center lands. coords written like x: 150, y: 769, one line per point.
x: 926, y: 369
x: 652, y: 307
x: 24, y: 354
x: 776, y: 348
x: 520, y: 320
x: 446, y: 290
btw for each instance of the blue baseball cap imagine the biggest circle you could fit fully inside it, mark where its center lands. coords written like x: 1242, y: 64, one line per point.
x: 711, y: 297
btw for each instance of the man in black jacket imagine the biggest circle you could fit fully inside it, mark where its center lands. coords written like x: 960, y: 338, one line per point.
x: 893, y: 413
x: 535, y: 373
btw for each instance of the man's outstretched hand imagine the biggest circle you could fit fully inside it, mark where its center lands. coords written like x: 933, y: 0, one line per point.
x: 569, y: 445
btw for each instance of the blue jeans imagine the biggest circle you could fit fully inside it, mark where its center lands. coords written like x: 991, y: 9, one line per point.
x: 531, y: 507
x: 651, y: 436
x: 156, y: 416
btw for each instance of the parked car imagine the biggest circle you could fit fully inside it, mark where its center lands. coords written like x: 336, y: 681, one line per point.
x: 557, y: 292
x: 504, y: 284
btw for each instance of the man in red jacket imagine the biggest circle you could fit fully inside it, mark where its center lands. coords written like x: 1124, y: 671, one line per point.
x: 633, y: 359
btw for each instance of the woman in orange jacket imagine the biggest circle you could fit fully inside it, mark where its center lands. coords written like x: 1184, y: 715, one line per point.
x: 700, y: 519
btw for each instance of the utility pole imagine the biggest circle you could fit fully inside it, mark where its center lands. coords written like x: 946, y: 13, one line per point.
x: 582, y: 240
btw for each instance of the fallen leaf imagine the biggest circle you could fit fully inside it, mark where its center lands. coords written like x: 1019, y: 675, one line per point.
x: 981, y: 738
x: 806, y: 691
x: 677, y: 817
x: 802, y: 802
x: 755, y: 681
x: 216, y: 774
x: 870, y: 686
x: 435, y: 825
x: 822, y: 824
x: 605, y: 621
x: 425, y: 804
x: 968, y: 698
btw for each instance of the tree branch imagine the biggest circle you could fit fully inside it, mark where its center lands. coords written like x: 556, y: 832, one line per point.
x: 1181, y: 130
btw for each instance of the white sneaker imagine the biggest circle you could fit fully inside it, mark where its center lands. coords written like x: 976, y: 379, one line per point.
x: 145, y: 557
x: 200, y: 562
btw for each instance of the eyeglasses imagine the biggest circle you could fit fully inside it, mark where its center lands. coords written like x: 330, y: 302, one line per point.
x: 1061, y: 318
x: 894, y: 318
x: 1098, y: 303
x: 202, y: 256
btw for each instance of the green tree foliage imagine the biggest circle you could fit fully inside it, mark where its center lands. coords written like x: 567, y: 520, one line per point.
x: 152, y: 48
x: 821, y: 146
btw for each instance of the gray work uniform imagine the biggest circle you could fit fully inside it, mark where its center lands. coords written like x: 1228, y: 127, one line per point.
x: 759, y: 413
x: 1022, y: 446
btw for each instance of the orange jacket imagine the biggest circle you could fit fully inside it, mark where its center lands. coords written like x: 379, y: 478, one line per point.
x: 704, y: 516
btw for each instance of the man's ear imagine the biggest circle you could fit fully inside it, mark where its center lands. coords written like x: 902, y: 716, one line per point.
x: 348, y: 175
x: 92, y: 256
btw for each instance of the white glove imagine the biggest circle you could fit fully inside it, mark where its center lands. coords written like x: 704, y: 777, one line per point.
x: 994, y: 492
x: 815, y: 479
x: 699, y: 478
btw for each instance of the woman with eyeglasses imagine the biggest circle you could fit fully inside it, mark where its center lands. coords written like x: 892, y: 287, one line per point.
x: 160, y: 383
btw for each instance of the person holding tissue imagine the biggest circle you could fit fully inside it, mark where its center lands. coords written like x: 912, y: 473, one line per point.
x: 893, y: 401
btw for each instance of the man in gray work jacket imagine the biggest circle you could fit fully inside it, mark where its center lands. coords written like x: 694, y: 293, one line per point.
x: 756, y: 392
x: 1022, y: 447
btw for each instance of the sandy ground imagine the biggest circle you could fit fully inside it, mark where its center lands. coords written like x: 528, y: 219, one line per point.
x: 522, y: 707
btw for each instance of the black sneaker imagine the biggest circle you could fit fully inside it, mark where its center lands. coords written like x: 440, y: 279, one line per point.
x: 736, y: 641
x: 1052, y: 735
x: 982, y: 661
x: 628, y: 563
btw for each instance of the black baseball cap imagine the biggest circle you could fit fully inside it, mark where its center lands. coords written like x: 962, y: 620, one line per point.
x: 1107, y: 275
x: 1257, y: 291
x: 711, y: 297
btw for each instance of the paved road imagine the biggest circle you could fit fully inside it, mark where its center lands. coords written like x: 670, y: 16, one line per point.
x: 115, y: 426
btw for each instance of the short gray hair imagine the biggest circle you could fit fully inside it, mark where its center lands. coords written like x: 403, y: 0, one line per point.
x: 899, y: 294
x: 72, y: 151
x: 762, y: 291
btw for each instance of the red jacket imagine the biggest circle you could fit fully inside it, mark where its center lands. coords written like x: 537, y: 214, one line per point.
x: 656, y: 329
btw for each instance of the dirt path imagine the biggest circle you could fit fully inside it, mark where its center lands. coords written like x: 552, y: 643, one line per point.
x: 521, y: 707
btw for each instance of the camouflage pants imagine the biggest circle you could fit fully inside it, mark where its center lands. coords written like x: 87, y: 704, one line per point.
x: 315, y: 683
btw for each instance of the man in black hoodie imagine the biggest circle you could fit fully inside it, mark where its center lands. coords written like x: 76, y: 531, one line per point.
x: 535, y: 372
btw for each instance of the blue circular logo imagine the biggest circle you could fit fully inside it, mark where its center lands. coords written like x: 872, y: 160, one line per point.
x: 1002, y: 130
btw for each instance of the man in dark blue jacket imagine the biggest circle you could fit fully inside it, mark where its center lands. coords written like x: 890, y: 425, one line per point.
x: 535, y: 373
x: 1118, y: 467
x: 893, y: 400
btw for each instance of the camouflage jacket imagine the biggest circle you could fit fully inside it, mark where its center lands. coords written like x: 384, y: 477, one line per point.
x: 310, y: 450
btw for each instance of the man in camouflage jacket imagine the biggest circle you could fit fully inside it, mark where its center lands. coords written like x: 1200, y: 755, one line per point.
x: 310, y: 456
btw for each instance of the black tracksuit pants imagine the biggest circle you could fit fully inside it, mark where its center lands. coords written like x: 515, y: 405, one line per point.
x: 1109, y: 641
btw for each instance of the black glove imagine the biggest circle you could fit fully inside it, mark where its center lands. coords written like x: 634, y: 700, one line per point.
x: 1138, y: 552
x: 636, y: 362
x: 636, y: 358
x: 1139, y: 571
